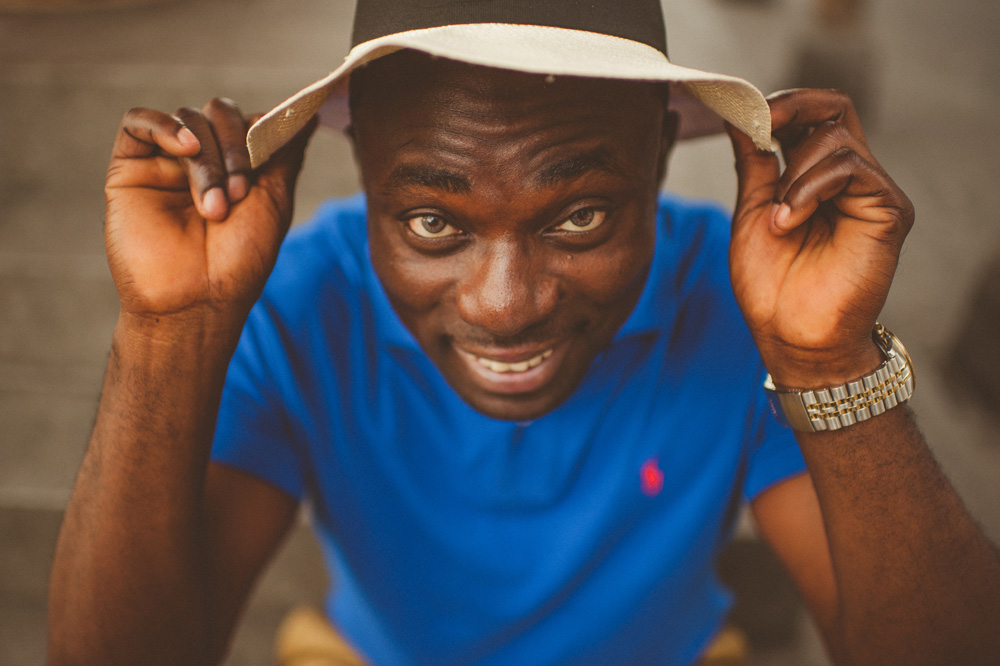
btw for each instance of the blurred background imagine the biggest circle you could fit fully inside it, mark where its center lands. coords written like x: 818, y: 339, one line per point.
x: 924, y: 74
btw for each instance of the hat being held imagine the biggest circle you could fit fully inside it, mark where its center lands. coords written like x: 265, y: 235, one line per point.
x: 624, y: 39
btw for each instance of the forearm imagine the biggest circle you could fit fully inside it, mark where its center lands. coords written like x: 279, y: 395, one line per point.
x: 129, y: 582
x: 813, y: 253
x: 918, y: 582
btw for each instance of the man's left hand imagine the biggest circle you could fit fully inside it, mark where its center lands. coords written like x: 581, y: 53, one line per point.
x: 814, y: 248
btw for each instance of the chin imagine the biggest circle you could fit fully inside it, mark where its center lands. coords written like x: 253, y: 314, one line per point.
x: 514, y: 408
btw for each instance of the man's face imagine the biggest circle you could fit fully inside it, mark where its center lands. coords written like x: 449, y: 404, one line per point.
x: 511, y: 219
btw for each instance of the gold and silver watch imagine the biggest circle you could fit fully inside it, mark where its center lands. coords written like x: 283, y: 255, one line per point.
x: 859, y: 400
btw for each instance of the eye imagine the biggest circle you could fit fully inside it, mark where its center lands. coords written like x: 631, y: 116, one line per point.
x: 585, y: 219
x: 431, y: 226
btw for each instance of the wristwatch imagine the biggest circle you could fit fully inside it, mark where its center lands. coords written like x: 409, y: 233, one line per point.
x: 859, y: 400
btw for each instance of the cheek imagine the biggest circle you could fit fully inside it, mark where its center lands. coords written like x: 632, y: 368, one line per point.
x: 414, y: 283
x: 613, y: 275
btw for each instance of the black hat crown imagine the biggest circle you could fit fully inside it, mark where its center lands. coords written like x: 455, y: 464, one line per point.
x: 638, y: 20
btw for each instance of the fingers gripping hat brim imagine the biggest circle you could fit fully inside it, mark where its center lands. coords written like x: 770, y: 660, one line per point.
x: 702, y: 99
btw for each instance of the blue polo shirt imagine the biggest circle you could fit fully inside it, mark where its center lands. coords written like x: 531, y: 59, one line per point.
x: 587, y: 536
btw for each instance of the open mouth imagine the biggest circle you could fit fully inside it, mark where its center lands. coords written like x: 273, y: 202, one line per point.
x: 512, y: 372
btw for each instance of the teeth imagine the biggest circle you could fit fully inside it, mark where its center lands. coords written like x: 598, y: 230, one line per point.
x: 520, y: 366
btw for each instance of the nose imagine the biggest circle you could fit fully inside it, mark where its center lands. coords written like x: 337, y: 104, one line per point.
x: 506, y: 290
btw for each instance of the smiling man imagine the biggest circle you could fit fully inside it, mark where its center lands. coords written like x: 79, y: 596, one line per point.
x: 526, y: 210
x: 521, y: 391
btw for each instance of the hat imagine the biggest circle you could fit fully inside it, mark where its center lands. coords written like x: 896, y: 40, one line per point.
x: 614, y: 39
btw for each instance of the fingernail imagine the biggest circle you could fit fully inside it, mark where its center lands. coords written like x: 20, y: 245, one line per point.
x: 237, y: 185
x: 188, y: 138
x: 214, y: 203
x: 780, y: 213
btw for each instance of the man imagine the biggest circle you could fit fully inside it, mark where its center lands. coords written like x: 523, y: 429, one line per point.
x: 522, y: 404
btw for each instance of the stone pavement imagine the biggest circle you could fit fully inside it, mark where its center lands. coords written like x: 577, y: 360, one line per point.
x: 926, y: 71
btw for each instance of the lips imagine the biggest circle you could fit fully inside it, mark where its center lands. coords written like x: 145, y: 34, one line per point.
x: 512, y: 371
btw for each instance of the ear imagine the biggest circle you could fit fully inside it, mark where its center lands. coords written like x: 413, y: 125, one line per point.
x: 352, y: 139
x: 668, y: 136
x: 351, y: 134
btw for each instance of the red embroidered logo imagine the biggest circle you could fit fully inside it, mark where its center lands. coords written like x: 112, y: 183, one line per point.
x: 651, y: 477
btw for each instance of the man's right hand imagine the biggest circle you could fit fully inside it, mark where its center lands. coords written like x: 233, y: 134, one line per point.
x: 159, y: 549
x: 190, y: 228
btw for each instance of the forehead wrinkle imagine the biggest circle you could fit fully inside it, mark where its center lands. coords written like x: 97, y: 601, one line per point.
x: 509, y: 139
x: 421, y: 165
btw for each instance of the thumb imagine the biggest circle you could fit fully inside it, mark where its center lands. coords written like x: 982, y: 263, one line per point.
x: 279, y: 174
x: 757, y: 174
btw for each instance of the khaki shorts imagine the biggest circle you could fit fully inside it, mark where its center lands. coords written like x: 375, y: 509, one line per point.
x: 306, y: 638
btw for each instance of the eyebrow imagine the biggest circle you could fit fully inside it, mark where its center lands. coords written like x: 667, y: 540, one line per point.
x: 576, y: 166
x: 407, y: 175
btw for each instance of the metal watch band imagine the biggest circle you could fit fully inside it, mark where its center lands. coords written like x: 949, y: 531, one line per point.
x: 858, y: 400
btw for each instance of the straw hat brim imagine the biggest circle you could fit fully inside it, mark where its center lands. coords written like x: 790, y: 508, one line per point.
x: 701, y: 98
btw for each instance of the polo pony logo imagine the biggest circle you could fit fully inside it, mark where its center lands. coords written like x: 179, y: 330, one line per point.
x: 651, y: 477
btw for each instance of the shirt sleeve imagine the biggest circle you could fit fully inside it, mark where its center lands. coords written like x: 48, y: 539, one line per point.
x: 252, y: 433
x: 775, y: 455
